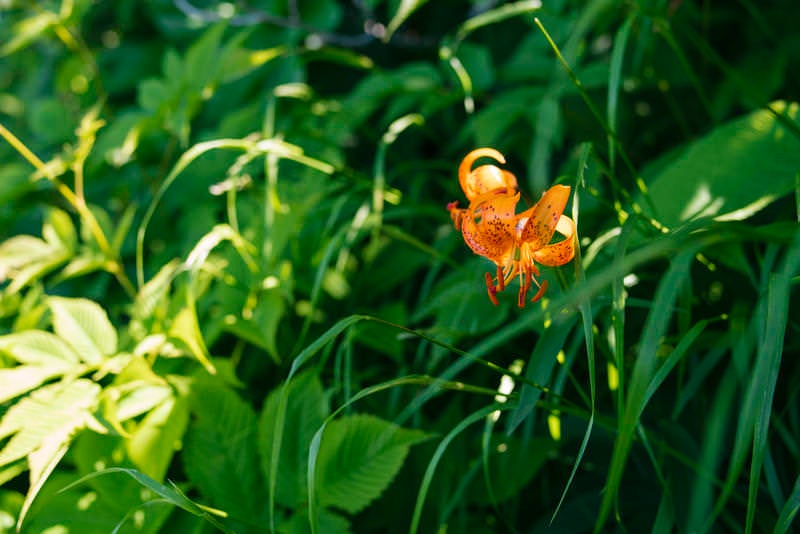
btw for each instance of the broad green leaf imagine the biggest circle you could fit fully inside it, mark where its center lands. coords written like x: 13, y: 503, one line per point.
x: 24, y: 258
x: 306, y: 409
x: 329, y: 523
x: 140, y: 399
x: 736, y: 170
x: 50, y: 415
x: 158, y: 436
x: 19, y: 380
x: 358, y: 458
x: 93, y: 452
x: 220, y: 451
x: 38, y: 347
x: 79, y: 509
x: 85, y: 326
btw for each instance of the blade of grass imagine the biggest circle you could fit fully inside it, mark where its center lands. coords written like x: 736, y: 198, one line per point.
x: 427, y: 478
x: 766, y: 371
x: 585, y: 309
x: 655, y: 327
x: 771, y: 316
x: 714, y: 443
x: 170, y: 494
x: 615, y: 81
x: 789, y: 510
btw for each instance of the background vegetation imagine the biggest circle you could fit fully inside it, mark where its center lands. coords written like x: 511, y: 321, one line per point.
x: 232, y: 298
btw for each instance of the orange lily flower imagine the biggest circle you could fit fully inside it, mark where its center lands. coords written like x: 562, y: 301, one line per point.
x: 514, y: 242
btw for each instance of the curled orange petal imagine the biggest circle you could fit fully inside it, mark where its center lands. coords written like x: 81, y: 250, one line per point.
x: 539, y: 222
x: 561, y: 252
x: 485, y: 178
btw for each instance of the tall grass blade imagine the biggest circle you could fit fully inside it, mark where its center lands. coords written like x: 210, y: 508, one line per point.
x: 643, y: 371
x: 437, y: 456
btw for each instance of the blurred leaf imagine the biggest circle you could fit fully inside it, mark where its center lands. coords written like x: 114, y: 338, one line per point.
x: 306, y: 409
x: 359, y: 457
x: 28, y: 30
x: 220, y: 452
x: 404, y: 10
x: 84, y: 512
x: 37, y: 347
x: 19, y: 380
x: 85, y: 326
x: 512, y: 464
x: 329, y: 523
x: 158, y: 436
x: 262, y: 328
x: 460, y: 304
x: 48, y: 416
x: 715, y: 176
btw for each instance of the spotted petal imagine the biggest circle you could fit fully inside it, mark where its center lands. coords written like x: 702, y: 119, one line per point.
x: 560, y: 252
x: 537, y: 224
x: 488, y: 226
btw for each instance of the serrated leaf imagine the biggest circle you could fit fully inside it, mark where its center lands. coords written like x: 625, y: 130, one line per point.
x: 23, y: 251
x: 85, y: 326
x: 52, y: 413
x: 306, y: 409
x: 358, y: 458
x: 38, y: 347
x: 18, y: 380
x: 220, y: 451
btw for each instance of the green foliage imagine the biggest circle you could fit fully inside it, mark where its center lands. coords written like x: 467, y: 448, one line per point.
x: 231, y: 298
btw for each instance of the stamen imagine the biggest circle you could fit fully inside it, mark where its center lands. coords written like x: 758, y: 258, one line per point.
x: 523, y: 289
x: 541, y: 291
x: 491, y: 289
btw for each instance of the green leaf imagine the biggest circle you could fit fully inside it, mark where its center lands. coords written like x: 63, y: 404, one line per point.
x: 19, y: 380
x: 154, y: 442
x: 404, y: 10
x: 329, y: 522
x: 85, y: 326
x: 220, y: 453
x: 306, y: 409
x: 512, y: 464
x: 84, y: 512
x: 25, y: 258
x: 715, y: 175
x: 59, y: 230
x: 28, y: 30
x: 48, y: 416
x: 261, y: 330
x: 38, y: 347
x: 171, y: 495
x: 358, y: 458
